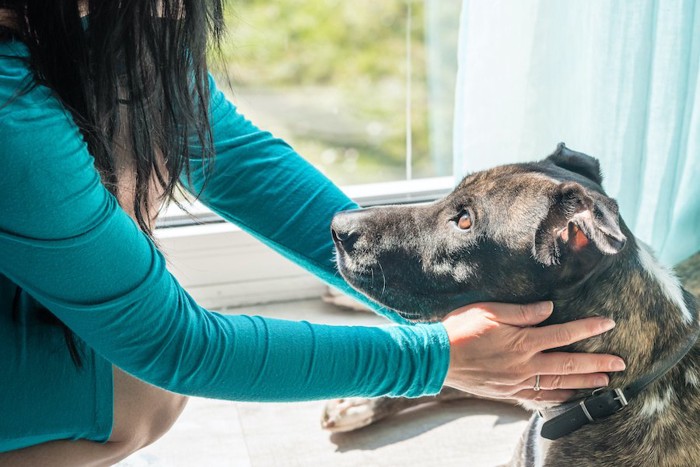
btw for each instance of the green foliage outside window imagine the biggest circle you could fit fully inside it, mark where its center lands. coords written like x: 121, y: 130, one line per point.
x: 329, y: 76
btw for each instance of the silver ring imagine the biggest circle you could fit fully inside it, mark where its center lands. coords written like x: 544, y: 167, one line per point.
x: 537, y: 383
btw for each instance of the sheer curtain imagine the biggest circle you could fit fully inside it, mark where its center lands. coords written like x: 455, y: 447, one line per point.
x: 617, y: 80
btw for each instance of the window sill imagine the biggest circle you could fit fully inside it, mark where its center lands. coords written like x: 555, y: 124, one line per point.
x: 221, y: 266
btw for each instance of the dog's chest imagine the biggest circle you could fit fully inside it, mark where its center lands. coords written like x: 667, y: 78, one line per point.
x: 532, y: 451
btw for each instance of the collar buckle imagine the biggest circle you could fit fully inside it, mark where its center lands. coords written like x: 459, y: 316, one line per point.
x: 621, y: 398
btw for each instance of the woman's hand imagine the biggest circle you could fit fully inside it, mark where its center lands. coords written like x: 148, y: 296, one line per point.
x: 494, y: 352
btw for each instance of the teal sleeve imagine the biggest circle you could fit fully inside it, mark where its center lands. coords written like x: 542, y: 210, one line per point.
x: 261, y: 184
x: 65, y: 240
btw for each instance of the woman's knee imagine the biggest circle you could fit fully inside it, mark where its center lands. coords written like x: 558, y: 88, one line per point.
x: 142, y: 412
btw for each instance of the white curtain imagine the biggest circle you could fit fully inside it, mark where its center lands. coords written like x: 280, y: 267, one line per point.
x: 615, y: 79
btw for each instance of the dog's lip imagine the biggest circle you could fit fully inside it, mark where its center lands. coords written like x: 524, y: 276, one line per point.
x: 364, y: 283
x: 409, y: 315
x: 412, y: 316
x: 436, y: 305
x: 418, y: 318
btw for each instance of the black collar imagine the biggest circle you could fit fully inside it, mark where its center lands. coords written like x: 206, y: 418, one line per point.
x: 604, y: 402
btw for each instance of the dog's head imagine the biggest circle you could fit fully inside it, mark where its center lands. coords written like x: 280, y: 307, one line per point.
x: 514, y: 233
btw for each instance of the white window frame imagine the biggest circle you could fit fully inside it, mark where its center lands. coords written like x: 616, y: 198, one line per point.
x: 222, y: 266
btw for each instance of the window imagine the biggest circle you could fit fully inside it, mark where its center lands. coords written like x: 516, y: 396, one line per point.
x: 363, y: 89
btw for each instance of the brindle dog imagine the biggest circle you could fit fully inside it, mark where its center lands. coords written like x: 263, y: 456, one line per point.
x: 546, y: 231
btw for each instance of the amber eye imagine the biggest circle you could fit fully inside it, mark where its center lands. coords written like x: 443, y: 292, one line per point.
x: 464, y: 221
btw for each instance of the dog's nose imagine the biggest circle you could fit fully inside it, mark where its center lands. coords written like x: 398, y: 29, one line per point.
x: 345, y: 229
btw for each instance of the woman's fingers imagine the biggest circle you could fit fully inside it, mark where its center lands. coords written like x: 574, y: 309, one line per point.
x: 565, y: 363
x: 559, y: 335
x: 558, y: 396
x: 550, y: 382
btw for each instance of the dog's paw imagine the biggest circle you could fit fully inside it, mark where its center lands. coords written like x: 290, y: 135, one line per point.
x: 341, y: 415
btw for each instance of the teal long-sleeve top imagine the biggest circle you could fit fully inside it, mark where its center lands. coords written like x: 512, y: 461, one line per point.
x: 66, y: 241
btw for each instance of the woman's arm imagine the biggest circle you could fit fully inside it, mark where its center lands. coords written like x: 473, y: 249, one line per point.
x: 65, y: 240
x: 261, y: 184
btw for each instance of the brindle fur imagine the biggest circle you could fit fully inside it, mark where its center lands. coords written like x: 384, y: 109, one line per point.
x: 414, y: 260
x: 688, y: 272
x: 336, y: 416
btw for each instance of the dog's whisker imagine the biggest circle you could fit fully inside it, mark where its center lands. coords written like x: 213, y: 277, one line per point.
x: 383, y: 278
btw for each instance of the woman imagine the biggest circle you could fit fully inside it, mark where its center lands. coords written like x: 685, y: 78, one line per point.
x: 107, y: 108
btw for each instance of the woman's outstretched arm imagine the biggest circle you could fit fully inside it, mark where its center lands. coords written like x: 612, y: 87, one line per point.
x: 65, y: 240
x: 258, y: 182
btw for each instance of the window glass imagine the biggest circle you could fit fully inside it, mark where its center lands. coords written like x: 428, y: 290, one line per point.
x: 364, y: 89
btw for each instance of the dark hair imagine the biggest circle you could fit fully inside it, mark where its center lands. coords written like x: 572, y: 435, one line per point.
x: 148, y: 56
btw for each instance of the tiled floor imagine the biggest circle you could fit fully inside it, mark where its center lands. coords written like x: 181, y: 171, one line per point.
x: 217, y: 433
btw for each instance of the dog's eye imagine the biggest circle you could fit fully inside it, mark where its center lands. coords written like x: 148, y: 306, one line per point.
x: 464, y: 221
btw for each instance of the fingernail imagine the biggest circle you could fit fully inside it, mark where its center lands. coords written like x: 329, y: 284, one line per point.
x: 543, y: 308
x: 606, y: 325
x: 618, y: 365
x: 601, y: 381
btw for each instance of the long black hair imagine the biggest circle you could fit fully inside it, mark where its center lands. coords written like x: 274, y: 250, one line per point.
x: 147, y: 56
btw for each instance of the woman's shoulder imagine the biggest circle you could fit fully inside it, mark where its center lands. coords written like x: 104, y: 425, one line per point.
x: 14, y: 59
x: 33, y: 122
x: 22, y: 100
x: 15, y: 71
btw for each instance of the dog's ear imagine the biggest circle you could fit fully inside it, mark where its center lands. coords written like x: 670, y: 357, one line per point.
x: 577, y: 162
x: 582, y: 223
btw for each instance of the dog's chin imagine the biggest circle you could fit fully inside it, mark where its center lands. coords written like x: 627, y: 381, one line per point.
x: 418, y: 318
x: 416, y: 309
x: 412, y: 303
x: 406, y: 304
x: 418, y: 302
x: 535, y: 406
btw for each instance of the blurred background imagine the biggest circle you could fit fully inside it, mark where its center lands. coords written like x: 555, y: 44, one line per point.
x: 362, y: 89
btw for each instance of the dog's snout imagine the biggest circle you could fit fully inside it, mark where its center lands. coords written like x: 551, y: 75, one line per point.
x: 346, y: 229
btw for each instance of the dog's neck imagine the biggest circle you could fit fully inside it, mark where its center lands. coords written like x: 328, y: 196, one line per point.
x: 653, y: 313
